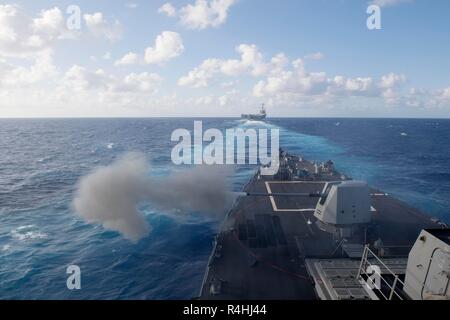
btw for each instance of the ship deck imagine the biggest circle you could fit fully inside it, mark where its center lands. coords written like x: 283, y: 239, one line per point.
x: 261, y: 250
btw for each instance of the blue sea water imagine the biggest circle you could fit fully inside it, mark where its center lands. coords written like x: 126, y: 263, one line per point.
x: 41, y: 161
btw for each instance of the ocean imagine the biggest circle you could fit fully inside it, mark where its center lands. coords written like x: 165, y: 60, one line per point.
x: 41, y: 161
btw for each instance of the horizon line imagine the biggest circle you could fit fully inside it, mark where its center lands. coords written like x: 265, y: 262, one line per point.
x: 217, y: 117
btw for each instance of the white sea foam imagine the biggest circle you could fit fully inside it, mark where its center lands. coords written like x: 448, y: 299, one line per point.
x: 45, y: 159
x: 26, y: 233
x: 253, y: 122
x: 29, y: 226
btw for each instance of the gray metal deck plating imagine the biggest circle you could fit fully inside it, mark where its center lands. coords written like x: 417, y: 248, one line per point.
x: 260, y: 253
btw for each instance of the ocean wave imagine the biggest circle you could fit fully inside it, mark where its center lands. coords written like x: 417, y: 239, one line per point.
x: 29, y: 226
x: 27, y: 233
x: 45, y: 159
x: 254, y: 123
x: 42, y: 235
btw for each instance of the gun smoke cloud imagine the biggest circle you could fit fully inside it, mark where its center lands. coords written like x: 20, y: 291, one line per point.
x: 110, y: 195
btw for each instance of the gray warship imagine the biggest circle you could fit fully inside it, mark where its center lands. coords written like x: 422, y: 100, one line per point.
x: 312, y: 233
x: 256, y: 117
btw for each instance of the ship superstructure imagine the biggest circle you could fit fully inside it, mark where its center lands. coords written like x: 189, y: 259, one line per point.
x: 309, y: 232
x: 256, y: 117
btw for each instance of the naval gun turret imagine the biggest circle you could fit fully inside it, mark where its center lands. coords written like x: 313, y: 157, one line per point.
x: 345, y: 203
x: 343, y: 206
x: 344, y: 209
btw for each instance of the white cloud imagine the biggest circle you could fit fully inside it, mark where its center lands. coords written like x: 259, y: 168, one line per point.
x: 445, y: 93
x: 23, y: 36
x: 202, y: 14
x: 315, y: 56
x: 80, y: 79
x: 392, y: 80
x: 168, y: 9
x: 100, y: 27
x: 90, y: 92
x: 43, y: 69
x: 435, y: 99
x: 251, y: 62
x: 292, y: 81
x: 358, y: 85
x: 8, y: 22
x: 205, y: 100
x: 388, y: 3
x: 168, y: 45
x: 139, y: 82
x: 50, y: 22
x: 419, y: 98
x: 251, y: 58
x: 277, y: 64
x: 36, y: 81
x: 297, y: 84
x: 232, y: 97
x: 200, y: 76
x: 128, y: 59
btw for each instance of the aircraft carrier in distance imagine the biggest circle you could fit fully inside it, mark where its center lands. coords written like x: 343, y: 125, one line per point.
x: 256, y: 117
x: 309, y: 233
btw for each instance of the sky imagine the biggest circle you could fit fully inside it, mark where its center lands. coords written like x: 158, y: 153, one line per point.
x: 221, y: 58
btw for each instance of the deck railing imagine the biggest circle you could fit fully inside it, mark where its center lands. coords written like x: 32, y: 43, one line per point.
x: 369, y: 281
